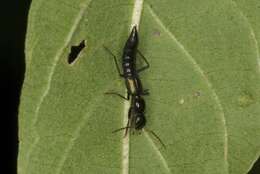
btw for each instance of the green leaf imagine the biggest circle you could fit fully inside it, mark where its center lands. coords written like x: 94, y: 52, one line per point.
x: 204, y: 88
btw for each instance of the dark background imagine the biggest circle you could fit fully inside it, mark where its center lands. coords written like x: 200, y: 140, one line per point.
x: 13, y: 22
x: 13, y: 19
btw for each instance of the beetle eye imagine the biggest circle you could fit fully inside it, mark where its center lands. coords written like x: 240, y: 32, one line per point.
x: 140, y: 122
x: 137, y: 120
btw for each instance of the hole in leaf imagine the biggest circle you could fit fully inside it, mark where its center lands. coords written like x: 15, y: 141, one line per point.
x: 74, y: 51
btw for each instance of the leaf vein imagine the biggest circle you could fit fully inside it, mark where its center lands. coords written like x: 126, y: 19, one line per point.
x: 201, y: 72
x: 50, y: 75
x: 76, y: 134
x: 252, y: 32
x: 165, y: 164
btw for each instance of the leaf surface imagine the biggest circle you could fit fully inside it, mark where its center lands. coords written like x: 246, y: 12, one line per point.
x: 203, y: 81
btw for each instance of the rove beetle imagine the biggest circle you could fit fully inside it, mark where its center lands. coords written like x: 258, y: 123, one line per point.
x: 130, y: 74
x: 136, y: 117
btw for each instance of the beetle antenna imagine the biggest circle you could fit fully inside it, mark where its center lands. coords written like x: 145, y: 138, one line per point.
x: 156, y: 136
